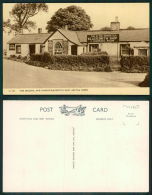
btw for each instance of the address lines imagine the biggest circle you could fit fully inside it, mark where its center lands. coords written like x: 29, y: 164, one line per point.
x: 73, y: 147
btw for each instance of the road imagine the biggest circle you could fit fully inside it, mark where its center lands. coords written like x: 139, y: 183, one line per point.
x: 21, y: 75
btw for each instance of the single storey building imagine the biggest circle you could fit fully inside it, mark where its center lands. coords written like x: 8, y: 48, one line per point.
x: 116, y: 42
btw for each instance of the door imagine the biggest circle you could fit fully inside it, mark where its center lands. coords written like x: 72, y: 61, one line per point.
x: 74, y: 49
x: 32, y: 49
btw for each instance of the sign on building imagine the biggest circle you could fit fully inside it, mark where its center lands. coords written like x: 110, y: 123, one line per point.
x: 103, y: 38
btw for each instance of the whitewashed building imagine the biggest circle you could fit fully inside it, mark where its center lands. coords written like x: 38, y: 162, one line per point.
x: 116, y: 42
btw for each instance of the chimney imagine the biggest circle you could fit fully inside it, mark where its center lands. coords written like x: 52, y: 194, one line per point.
x: 39, y: 30
x: 115, y: 25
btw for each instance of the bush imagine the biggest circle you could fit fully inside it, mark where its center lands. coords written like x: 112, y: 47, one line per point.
x: 36, y: 57
x: 136, y: 64
x: 102, y: 53
x: 107, y: 69
x: 25, y: 58
x: 71, y: 62
x: 146, y: 82
x: 13, y: 56
x: 19, y: 57
x: 45, y: 57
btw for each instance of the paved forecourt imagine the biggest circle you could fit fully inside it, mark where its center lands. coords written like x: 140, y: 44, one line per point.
x: 21, y: 75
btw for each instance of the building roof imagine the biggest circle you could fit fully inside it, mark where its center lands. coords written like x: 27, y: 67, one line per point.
x: 124, y: 34
x: 79, y: 37
x: 134, y: 35
x: 40, y: 38
x: 70, y: 35
x: 30, y: 38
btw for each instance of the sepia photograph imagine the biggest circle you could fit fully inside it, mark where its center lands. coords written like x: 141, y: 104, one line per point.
x: 76, y: 48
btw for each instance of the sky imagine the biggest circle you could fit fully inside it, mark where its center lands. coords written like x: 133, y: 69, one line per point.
x: 129, y: 14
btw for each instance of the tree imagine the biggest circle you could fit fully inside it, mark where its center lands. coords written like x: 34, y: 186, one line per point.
x: 74, y: 17
x: 105, y: 28
x: 130, y: 28
x: 6, y: 24
x: 21, y: 14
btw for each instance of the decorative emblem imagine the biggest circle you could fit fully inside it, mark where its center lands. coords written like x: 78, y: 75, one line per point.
x: 77, y: 111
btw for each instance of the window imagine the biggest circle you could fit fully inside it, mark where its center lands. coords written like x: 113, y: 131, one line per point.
x: 18, y: 49
x: 125, y: 49
x: 142, y: 52
x: 58, y: 49
x: 93, y: 47
x: 11, y: 46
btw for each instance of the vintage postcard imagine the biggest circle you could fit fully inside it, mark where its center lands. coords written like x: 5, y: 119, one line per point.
x: 76, y: 48
x: 76, y: 146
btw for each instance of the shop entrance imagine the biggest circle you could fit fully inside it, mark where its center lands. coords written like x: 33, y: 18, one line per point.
x: 93, y: 47
x: 32, y: 49
x: 74, y: 49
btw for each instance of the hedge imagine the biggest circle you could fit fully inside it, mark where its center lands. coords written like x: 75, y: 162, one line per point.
x: 71, y: 62
x: 135, y: 64
x: 103, y: 53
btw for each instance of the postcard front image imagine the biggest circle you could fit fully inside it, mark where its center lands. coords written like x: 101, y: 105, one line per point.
x: 86, y: 53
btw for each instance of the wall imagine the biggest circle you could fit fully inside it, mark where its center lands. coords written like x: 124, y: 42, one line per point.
x: 37, y: 48
x: 57, y: 36
x: 10, y: 52
x: 80, y: 50
x: 139, y: 44
x: 113, y: 49
x: 24, y: 50
x: 110, y: 48
x: 136, y: 46
x: 46, y: 47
